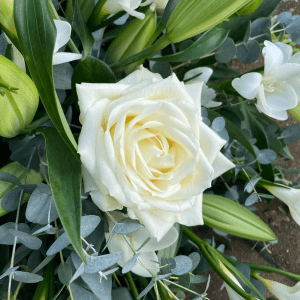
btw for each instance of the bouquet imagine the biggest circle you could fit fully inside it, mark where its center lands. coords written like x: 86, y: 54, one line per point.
x: 125, y: 127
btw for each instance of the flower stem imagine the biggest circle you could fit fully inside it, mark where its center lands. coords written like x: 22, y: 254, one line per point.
x: 132, y: 285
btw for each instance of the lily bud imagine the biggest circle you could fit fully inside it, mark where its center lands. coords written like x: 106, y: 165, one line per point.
x: 281, y: 291
x: 192, y: 17
x: 7, y: 20
x: 132, y: 40
x: 249, y: 8
x: 290, y: 196
x: 19, y: 171
x: 19, y: 99
x: 228, y: 216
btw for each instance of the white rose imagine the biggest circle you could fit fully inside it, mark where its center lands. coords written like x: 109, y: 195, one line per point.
x: 114, y: 6
x: 279, y: 88
x: 147, y: 257
x: 144, y: 146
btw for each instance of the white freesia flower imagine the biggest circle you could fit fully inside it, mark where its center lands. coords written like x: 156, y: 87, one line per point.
x: 207, y: 94
x: 281, y: 291
x: 160, y: 4
x: 114, y: 6
x: 290, y: 196
x: 63, y: 35
x: 279, y: 88
x: 147, y: 257
x: 233, y: 295
x: 144, y: 146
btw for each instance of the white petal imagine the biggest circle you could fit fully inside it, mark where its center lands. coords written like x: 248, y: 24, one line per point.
x: 105, y: 202
x: 156, y: 227
x: 88, y: 94
x: 286, y: 72
x: 279, y: 115
x: 203, y: 73
x: 133, y: 12
x: 207, y: 96
x: 139, y: 76
x: 63, y: 57
x: 262, y: 102
x: 210, y: 142
x: 295, y: 83
x: 195, y: 90
x: 150, y: 261
x: 295, y: 58
x: 284, y: 97
x: 248, y: 85
x: 139, y: 237
x: 63, y: 33
x: 286, y: 49
x: 273, y: 57
x: 221, y: 165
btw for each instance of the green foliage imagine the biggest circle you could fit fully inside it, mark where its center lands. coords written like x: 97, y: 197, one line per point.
x: 65, y: 181
x: 37, y: 34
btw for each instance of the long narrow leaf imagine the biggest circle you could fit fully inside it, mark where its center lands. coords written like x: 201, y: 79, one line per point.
x: 65, y: 181
x: 37, y: 34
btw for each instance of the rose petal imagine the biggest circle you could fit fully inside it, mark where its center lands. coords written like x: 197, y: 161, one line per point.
x: 221, y: 165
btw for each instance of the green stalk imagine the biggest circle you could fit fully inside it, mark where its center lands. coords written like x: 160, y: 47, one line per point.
x: 132, y: 285
x: 160, y: 44
x: 108, y: 21
x: 264, y: 269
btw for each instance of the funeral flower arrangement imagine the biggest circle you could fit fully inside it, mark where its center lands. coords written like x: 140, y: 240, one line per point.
x: 124, y: 128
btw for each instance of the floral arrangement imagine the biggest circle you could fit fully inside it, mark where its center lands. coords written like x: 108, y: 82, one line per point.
x: 126, y: 128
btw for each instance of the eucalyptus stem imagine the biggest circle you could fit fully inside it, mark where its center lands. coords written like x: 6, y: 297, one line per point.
x: 57, y: 17
x: 132, y: 285
x: 17, y: 291
x: 16, y: 225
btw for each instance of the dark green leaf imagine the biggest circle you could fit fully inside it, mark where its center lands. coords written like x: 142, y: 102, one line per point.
x: 82, y: 30
x: 222, y: 71
x: 247, y: 33
x: 168, y: 11
x: 65, y: 181
x: 163, y: 68
x: 37, y: 34
x: 207, y: 43
x: 91, y: 70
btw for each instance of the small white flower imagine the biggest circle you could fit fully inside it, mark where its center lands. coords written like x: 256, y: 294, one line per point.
x: 281, y: 291
x: 207, y: 94
x: 147, y: 257
x: 279, y: 88
x: 63, y: 35
x: 290, y: 196
x: 114, y: 6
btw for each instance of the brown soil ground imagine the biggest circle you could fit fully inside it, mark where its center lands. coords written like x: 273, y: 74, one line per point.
x: 286, y: 252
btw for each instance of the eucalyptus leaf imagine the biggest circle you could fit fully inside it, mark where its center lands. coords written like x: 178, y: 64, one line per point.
x: 295, y: 37
x: 11, y: 199
x: 253, y: 198
x: 266, y: 156
x: 130, y: 263
x: 80, y: 293
x: 9, y: 178
x: 26, y: 239
x: 291, y: 134
x: 26, y: 277
x: 88, y: 225
x: 218, y: 124
x: 6, y: 237
x: 8, y: 271
x: 283, y: 17
x: 41, y: 208
x: 195, y: 258
x: 183, y: 265
x: 34, y: 260
x: 252, y: 183
x: 248, y: 52
x: 259, y: 285
x: 258, y: 27
x: 121, y: 294
x: 64, y: 273
x: 146, y: 290
x: 62, y: 75
x: 226, y: 52
x: 100, y: 263
x: 293, y: 26
x: 163, y: 68
x: 127, y: 225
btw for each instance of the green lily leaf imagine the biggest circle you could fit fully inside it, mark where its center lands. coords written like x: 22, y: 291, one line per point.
x: 37, y: 34
x: 65, y: 182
